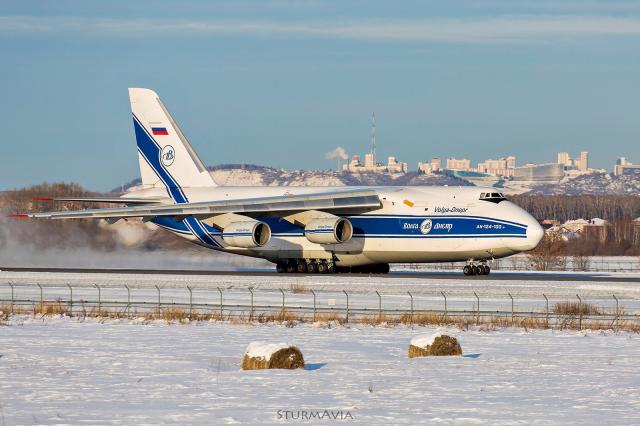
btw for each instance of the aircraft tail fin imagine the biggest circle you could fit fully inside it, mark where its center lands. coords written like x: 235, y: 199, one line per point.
x: 164, y: 153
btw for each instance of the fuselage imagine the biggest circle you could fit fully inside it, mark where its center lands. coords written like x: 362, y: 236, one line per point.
x: 414, y: 224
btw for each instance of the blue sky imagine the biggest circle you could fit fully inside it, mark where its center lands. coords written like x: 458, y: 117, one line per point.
x: 280, y: 83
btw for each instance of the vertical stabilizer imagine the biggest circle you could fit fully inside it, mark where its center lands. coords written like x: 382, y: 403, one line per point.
x: 165, y: 155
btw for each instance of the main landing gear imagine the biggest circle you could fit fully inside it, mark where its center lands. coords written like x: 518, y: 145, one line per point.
x: 472, y: 269
x: 323, y: 266
x: 306, y: 266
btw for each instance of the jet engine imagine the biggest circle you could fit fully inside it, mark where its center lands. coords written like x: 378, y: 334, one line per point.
x: 247, y: 233
x: 329, y: 230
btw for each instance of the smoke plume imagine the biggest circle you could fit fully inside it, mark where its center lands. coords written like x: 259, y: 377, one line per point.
x: 339, y: 152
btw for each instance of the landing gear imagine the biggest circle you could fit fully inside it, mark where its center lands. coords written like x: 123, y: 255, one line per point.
x: 312, y: 267
x: 301, y: 267
x: 290, y: 268
x: 472, y: 269
x: 322, y: 267
x: 484, y: 270
x: 326, y: 266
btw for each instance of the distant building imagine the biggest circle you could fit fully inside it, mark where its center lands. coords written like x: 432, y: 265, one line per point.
x: 394, y: 166
x: 458, y: 164
x: 624, y: 167
x: 583, y: 161
x: 371, y: 166
x: 564, y: 159
x: 595, y: 228
x: 580, y: 164
x: 432, y: 166
x: 500, y: 167
x: 551, y: 172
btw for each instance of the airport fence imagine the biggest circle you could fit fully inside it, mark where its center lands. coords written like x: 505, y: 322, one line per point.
x: 298, y: 303
x: 522, y: 263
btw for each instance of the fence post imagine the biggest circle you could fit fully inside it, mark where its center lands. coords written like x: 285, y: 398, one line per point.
x: 99, y: 297
x: 617, y: 319
x: 190, y: 302
x: 41, y: 297
x: 445, y: 303
x: 511, y: 308
x: 221, y: 315
x: 477, y: 308
x: 282, y: 291
x: 70, y: 300
x: 347, y: 294
x: 411, y: 317
x: 379, y: 306
x: 314, y: 305
x: 251, y: 312
x: 580, y: 312
x: 158, y: 288
x: 547, y: 311
x: 128, y: 300
x: 12, y: 299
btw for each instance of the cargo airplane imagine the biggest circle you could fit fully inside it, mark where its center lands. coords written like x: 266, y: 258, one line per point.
x: 308, y: 229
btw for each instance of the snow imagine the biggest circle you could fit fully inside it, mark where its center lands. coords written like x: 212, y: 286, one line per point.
x: 68, y: 371
x: 424, y: 340
x: 264, y: 349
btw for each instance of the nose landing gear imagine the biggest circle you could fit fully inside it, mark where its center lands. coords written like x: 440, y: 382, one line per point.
x: 473, y: 269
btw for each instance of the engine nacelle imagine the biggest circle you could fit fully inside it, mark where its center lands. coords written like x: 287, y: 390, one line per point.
x: 330, y: 230
x: 246, y: 234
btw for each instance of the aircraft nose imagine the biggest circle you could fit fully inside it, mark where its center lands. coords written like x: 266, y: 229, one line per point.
x: 534, y: 234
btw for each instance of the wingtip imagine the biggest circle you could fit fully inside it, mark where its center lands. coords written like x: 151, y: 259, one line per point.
x: 18, y: 216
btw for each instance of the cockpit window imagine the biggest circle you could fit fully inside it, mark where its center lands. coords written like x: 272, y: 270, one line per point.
x: 493, y: 197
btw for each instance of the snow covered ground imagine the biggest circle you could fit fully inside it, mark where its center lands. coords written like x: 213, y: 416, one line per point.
x: 66, y: 371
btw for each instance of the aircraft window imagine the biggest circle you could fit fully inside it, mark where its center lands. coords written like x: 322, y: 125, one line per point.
x: 493, y: 197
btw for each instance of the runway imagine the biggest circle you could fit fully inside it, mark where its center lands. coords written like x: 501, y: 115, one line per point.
x: 394, y: 275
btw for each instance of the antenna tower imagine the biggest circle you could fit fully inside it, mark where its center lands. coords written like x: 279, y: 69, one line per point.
x: 373, y: 136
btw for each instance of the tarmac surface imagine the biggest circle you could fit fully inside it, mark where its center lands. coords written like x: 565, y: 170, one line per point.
x: 443, y: 275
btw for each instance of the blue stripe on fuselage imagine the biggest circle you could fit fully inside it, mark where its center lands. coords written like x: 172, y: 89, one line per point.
x: 391, y: 227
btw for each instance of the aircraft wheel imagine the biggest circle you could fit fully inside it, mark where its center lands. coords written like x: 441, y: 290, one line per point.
x: 476, y: 270
x: 301, y: 267
x: 281, y: 267
x: 331, y: 268
x: 322, y: 268
x: 481, y: 270
x: 311, y: 268
x: 467, y: 270
x: 291, y: 268
x: 487, y: 269
x: 384, y: 268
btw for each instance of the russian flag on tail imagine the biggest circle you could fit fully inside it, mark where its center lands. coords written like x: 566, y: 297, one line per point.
x: 161, y: 131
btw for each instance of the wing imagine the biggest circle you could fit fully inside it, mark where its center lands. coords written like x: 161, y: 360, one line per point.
x: 335, y: 202
x: 110, y: 200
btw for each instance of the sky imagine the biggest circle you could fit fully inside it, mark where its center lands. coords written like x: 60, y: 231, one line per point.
x: 280, y: 83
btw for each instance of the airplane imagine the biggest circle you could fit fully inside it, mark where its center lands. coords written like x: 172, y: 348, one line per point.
x: 308, y: 229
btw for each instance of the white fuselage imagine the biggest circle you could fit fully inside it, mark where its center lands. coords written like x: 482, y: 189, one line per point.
x: 413, y: 224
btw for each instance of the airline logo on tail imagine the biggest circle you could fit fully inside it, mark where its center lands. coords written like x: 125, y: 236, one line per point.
x: 167, y: 155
